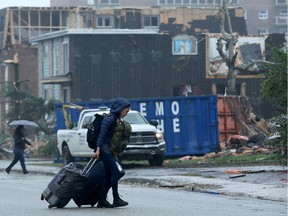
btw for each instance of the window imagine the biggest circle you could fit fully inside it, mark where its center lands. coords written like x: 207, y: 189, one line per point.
x: 104, y: 21
x: 55, y: 58
x: 66, y: 95
x: 184, y: 45
x: 45, y: 61
x: 281, y: 2
x: 262, y: 31
x: 45, y: 94
x: 283, y: 13
x: 151, y: 21
x: 193, y: 2
x: 65, y: 51
x: 90, y: 2
x: 263, y: 14
x: 234, y: 2
x: 86, y: 121
x: 117, y: 2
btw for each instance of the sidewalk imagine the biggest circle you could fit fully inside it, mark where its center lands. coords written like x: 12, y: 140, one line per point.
x: 263, y: 182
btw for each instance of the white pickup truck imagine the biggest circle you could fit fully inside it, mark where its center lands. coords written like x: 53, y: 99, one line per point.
x: 146, y: 142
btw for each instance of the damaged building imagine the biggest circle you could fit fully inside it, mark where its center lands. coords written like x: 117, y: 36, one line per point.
x: 83, y: 53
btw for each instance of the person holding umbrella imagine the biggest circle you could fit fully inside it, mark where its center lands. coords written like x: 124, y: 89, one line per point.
x: 18, y: 150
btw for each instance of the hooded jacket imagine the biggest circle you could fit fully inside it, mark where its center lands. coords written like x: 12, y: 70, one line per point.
x: 109, y: 123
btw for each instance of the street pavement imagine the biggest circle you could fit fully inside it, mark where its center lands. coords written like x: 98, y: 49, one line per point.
x: 261, y: 182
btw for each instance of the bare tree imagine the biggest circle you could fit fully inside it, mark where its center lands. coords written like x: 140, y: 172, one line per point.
x: 230, y: 38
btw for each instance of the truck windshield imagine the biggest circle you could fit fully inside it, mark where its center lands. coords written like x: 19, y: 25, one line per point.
x: 135, y: 118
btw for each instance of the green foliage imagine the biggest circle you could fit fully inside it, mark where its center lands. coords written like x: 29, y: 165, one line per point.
x: 31, y: 108
x: 274, y: 87
x: 281, y: 142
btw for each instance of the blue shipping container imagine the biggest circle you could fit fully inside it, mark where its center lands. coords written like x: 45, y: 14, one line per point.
x: 190, y: 124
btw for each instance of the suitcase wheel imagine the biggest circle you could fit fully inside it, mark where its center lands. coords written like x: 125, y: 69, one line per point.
x: 42, y: 197
x: 50, y: 206
x: 92, y: 205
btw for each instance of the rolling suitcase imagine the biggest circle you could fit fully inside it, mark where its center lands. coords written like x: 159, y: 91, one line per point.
x: 70, y: 179
x: 90, y: 193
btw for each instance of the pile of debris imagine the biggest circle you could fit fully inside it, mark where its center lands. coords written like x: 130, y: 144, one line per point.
x: 257, y: 142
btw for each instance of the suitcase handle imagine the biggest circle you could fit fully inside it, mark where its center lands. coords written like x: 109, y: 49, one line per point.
x: 89, y: 165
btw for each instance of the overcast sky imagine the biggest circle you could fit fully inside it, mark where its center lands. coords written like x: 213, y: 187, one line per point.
x: 36, y: 3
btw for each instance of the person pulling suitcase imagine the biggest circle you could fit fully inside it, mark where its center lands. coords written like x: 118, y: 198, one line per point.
x: 119, y: 109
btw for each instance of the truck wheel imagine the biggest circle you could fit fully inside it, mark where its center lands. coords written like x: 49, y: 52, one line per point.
x: 157, y: 160
x: 66, y: 155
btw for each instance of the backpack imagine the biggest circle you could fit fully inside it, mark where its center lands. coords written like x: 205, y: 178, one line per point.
x: 120, y: 137
x: 94, y: 130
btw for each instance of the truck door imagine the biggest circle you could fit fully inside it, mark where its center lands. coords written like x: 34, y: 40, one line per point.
x: 83, y: 146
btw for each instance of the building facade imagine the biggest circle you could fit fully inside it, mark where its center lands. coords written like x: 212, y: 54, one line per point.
x: 53, y: 77
x: 267, y: 17
x: 182, y: 27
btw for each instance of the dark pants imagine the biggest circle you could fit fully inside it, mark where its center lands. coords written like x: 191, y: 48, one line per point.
x: 112, y: 175
x: 18, y: 156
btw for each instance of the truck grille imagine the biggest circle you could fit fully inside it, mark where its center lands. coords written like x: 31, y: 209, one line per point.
x: 142, y: 138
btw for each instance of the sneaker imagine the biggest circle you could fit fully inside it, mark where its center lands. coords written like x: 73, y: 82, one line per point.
x: 26, y: 173
x: 118, y: 202
x: 6, y: 172
x: 104, y: 204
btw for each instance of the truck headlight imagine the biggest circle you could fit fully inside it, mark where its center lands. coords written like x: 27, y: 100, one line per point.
x: 159, y: 136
